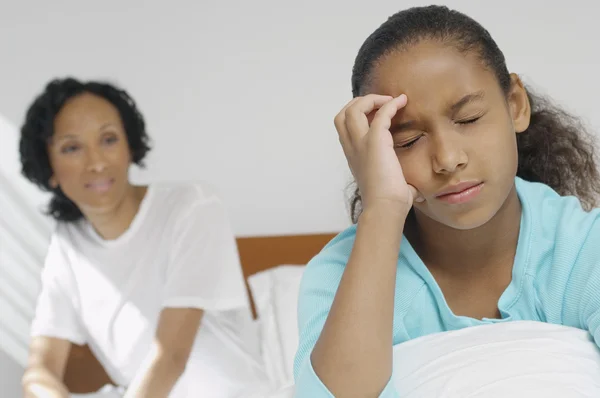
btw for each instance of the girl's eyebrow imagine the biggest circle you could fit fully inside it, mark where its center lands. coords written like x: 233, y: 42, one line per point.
x: 477, y: 96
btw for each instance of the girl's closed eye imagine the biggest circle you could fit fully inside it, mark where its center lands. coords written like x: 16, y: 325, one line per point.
x: 407, y: 144
x: 469, y: 120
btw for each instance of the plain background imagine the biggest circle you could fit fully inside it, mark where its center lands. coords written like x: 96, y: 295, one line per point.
x: 243, y: 93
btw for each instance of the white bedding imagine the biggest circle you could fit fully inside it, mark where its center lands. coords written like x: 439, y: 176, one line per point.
x: 105, y: 392
x: 275, y: 294
x: 513, y: 359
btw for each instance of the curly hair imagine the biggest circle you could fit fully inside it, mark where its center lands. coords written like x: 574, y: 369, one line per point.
x: 38, y: 128
x: 556, y: 149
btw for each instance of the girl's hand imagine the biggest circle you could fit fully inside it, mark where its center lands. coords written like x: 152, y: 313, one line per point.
x: 369, y: 149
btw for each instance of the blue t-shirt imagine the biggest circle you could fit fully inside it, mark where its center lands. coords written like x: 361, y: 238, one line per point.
x: 555, y: 279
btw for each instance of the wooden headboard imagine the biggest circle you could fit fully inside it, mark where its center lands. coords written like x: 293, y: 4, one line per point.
x: 261, y: 253
x: 84, y: 374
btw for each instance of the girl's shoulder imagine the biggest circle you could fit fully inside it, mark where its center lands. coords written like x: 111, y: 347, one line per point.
x: 563, y: 235
x: 553, y: 216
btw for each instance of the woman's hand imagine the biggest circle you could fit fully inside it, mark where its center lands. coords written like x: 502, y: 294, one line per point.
x: 45, y: 370
x: 369, y: 149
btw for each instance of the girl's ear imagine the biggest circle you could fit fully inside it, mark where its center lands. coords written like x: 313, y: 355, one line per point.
x: 518, y: 104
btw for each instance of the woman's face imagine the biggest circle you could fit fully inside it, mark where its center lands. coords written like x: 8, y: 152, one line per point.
x: 458, y: 127
x: 89, y: 154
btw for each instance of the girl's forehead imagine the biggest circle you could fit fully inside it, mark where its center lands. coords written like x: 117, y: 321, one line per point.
x: 429, y: 69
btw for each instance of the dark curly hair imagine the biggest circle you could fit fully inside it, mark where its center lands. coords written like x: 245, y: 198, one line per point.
x: 38, y: 128
x: 555, y: 149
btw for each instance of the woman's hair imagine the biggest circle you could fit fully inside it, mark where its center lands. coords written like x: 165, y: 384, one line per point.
x: 38, y: 128
x: 555, y: 149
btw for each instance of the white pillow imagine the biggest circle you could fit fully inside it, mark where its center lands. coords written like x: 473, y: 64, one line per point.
x: 275, y: 294
x: 511, y: 359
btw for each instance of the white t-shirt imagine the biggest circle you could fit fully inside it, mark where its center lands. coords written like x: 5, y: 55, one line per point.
x: 179, y: 251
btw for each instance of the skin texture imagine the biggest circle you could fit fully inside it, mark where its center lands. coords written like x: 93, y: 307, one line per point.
x: 458, y: 126
x: 430, y: 117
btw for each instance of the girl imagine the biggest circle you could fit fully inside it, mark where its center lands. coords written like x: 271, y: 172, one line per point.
x: 147, y: 276
x: 462, y: 214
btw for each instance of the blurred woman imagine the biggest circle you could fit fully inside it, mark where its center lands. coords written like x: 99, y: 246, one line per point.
x: 147, y: 276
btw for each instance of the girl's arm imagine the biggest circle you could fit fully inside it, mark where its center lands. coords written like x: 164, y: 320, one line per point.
x: 353, y: 356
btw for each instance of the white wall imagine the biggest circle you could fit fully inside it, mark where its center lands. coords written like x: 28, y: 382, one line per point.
x: 243, y: 93
x: 10, y: 377
x: 23, y: 239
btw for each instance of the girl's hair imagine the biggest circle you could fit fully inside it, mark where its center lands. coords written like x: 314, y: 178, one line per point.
x: 38, y: 128
x: 555, y: 149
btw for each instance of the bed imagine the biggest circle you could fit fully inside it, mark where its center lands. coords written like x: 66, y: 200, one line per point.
x: 84, y: 374
x: 513, y: 359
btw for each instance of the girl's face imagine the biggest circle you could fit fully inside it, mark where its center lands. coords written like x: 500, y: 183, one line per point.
x: 89, y: 154
x: 457, y: 130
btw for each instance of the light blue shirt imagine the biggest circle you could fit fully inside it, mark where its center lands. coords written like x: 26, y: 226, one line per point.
x: 556, y: 279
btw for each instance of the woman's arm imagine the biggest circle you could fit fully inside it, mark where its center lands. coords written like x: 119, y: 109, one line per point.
x: 175, y: 335
x: 56, y: 316
x: 203, y: 273
x: 353, y: 355
x: 44, y: 374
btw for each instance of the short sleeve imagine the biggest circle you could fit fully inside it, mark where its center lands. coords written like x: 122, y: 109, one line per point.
x: 55, y: 314
x: 317, y: 291
x: 204, y: 270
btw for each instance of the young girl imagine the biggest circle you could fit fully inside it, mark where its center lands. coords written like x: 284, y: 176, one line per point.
x: 147, y: 276
x: 462, y: 214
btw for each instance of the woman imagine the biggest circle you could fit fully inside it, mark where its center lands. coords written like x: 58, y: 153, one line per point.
x: 147, y: 276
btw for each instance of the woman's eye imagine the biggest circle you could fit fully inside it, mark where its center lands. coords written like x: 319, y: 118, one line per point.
x: 69, y: 149
x: 110, y: 140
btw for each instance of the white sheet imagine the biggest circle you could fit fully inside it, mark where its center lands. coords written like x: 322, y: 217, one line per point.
x: 513, y: 359
x: 199, y: 371
x: 105, y: 392
x: 275, y: 293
